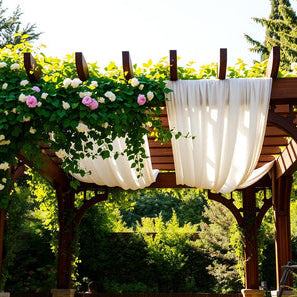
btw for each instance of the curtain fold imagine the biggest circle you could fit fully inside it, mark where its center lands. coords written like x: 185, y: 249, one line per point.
x: 117, y: 173
x: 225, y: 121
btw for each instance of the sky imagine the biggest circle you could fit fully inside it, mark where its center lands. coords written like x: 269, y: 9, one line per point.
x: 102, y: 29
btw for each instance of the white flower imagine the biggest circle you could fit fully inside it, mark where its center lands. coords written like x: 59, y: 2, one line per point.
x: 4, y: 180
x: 76, y: 82
x: 61, y: 154
x: 24, y: 82
x: 110, y: 95
x: 14, y: 110
x: 4, y: 166
x: 32, y: 130
x: 66, y: 82
x: 22, y: 98
x: 141, y: 87
x: 105, y: 125
x: 150, y: 95
x: 81, y: 127
x: 85, y: 94
x: 5, y: 142
x: 4, y: 86
x: 94, y: 84
x: 2, y: 137
x: 1, y: 187
x: 26, y: 119
x: 66, y: 105
x: 39, y: 104
x: 101, y: 100
x: 15, y: 66
x: 3, y: 64
x: 6, y: 112
x: 44, y: 95
x: 134, y: 82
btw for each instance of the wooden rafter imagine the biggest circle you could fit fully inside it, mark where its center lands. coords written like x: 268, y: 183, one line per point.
x: 222, y: 66
x: 81, y: 66
x: 127, y: 65
x: 33, y: 71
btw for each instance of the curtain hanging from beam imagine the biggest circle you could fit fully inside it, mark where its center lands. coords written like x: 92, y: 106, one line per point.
x: 117, y: 172
x: 225, y: 121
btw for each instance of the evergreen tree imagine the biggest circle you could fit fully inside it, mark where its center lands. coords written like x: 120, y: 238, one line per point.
x: 10, y: 25
x: 281, y: 30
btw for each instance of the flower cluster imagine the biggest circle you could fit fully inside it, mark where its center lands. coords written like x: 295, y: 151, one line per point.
x: 71, y: 116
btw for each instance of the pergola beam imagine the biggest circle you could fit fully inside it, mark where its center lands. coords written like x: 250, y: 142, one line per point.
x: 286, y: 163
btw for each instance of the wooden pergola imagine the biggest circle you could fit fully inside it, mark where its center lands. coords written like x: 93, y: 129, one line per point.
x: 280, y: 144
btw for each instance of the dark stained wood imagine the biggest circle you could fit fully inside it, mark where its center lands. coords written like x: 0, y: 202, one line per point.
x: 81, y: 66
x: 222, y: 66
x: 250, y: 238
x: 281, y: 193
x: 267, y: 150
x: 173, y: 65
x: 273, y: 63
x: 284, y: 91
x: 286, y: 162
x: 127, y: 65
x: 32, y: 69
x: 275, y: 141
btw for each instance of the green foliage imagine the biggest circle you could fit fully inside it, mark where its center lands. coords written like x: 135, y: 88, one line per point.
x: 215, y: 240
x: 11, y: 29
x: 280, y: 31
x: 28, y: 264
x: 166, y: 247
x: 187, y: 203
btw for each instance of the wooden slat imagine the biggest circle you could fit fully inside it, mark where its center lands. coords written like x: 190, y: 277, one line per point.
x: 275, y: 132
x: 266, y: 158
x: 81, y: 66
x: 222, y: 66
x: 275, y: 141
x: 163, y: 166
x: 173, y: 65
x: 157, y: 152
x: 32, y: 69
x: 127, y: 65
x: 273, y: 63
x: 270, y: 150
x: 286, y: 163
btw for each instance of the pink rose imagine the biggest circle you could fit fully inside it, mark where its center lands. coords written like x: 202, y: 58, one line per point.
x: 31, y: 101
x: 141, y: 99
x: 94, y: 104
x: 87, y: 101
x: 36, y: 89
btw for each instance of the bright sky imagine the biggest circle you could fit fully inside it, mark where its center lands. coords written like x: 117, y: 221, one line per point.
x: 102, y: 29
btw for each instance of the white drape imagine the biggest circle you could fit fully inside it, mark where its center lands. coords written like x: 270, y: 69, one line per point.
x: 117, y: 173
x: 227, y: 119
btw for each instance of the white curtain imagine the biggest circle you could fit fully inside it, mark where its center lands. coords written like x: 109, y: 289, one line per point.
x: 227, y: 119
x: 117, y: 173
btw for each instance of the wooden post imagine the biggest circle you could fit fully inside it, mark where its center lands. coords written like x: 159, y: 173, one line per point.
x: 281, y: 193
x: 250, y: 238
x: 81, y: 66
x: 65, y: 196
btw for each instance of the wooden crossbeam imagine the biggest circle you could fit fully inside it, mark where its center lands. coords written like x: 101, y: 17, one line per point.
x: 127, y: 65
x: 32, y: 69
x: 81, y: 66
x: 273, y: 63
x: 173, y: 65
x: 222, y: 66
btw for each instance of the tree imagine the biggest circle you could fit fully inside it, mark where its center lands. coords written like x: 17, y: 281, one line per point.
x: 281, y: 30
x: 11, y: 29
x: 215, y: 239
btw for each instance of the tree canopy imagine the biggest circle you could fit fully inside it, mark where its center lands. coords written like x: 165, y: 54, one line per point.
x: 281, y: 30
